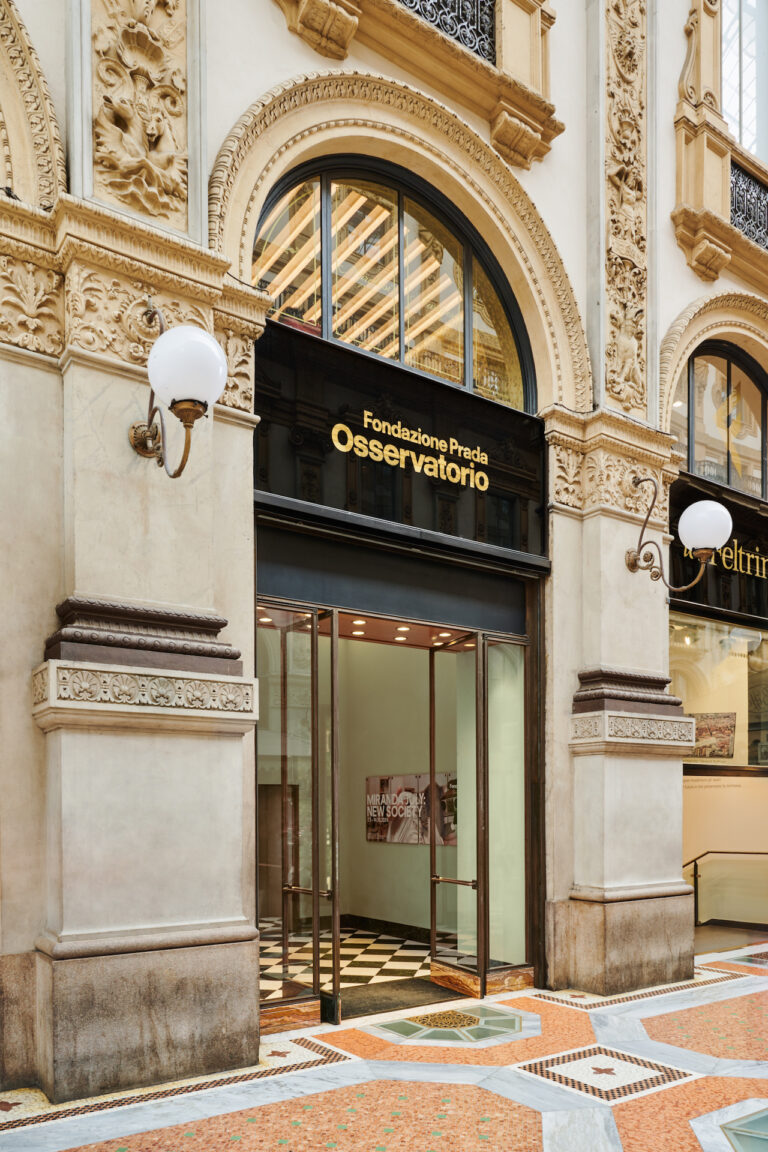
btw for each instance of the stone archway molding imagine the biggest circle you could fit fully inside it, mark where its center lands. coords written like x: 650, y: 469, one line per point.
x: 726, y: 315
x: 31, y: 153
x: 322, y: 114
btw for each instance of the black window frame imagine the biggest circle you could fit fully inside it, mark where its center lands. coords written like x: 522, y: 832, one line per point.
x: 732, y: 354
x: 406, y: 183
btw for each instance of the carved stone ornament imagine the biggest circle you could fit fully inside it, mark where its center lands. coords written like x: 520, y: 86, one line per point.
x: 31, y: 153
x: 237, y: 181
x: 238, y: 348
x: 67, y: 694
x: 140, y: 106
x: 608, y: 732
x: 105, y: 314
x: 327, y: 25
x: 602, y: 479
x: 626, y: 204
x: 31, y: 306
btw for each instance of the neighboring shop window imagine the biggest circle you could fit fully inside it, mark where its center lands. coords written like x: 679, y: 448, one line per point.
x: 719, y: 418
x: 364, y: 262
x: 720, y: 671
x: 745, y: 83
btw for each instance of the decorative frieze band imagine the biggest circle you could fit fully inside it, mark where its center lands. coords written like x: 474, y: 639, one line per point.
x: 606, y: 732
x: 66, y: 694
x: 603, y: 479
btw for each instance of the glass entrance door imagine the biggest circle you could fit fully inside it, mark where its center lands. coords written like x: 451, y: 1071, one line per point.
x: 455, y: 771
x: 296, y: 803
x: 478, y: 805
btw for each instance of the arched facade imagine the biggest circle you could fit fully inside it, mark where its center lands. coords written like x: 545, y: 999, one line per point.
x: 326, y: 114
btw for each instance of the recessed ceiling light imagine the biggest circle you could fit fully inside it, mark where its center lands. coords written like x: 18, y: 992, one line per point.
x: 403, y: 628
x: 444, y: 633
x: 358, y: 621
x: 469, y: 645
x: 437, y: 643
x: 265, y: 620
x: 400, y: 639
x: 359, y: 633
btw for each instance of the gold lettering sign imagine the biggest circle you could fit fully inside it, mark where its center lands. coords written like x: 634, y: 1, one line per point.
x: 733, y: 558
x: 437, y: 467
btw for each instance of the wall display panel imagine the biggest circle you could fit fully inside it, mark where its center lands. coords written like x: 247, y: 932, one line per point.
x: 372, y: 438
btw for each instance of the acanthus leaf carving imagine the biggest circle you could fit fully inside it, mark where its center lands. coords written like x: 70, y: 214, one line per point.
x: 327, y: 25
x: 238, y: 349
x: 30, y: 306
x: 105, y: 315
x: 140, y: 113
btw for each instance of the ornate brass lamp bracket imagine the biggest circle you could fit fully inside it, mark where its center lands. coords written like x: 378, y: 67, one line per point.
x: 647, y: 557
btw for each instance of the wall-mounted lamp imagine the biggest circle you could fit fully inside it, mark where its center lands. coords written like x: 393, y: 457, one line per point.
x: 702, y: 528
x: 185, y: 361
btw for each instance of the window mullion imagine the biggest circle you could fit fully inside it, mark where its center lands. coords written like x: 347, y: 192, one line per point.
x: 469, y: 350
x: 728, y: 422
x: 401, y: 275
x: 326, y: 250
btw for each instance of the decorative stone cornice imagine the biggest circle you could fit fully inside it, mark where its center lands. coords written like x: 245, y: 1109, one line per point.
x: 594, y: 458
x: 33, y: 154
x: 343, y: 102
x: 85, y: 695
x: 511, y: 95
x: 630, y: 733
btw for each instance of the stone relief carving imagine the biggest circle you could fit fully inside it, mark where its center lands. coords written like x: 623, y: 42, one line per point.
x: 104, y: 686
x: 30, y: 306
x: 238, y: 348
x: 328, y: 25
x: 586, y: 727
x: 40, y: 686
x: 603, y: 479
x: 140, y: 109
x: 647, y: 728
x: 106, y: 315
x: 626, y: 197
x: 25, y: 75
x: 371, y: 91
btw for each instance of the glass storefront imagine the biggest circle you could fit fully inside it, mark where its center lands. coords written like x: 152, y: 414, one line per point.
x: 400, y: 500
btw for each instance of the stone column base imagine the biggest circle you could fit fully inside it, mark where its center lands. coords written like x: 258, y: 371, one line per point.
x: 623, y: 945
x: 123, y: 1021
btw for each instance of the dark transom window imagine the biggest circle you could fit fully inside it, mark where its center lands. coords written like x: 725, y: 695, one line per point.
x: 367, y: 262
x: 719, y: 418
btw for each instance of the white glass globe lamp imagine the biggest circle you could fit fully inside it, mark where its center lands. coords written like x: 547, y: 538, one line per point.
x: 187, y: 372
x: 187, y: 364
x: 704, y: 526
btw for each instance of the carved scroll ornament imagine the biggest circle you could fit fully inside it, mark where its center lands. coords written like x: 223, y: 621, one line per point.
x: 626, y: 200
x: 140, y: 114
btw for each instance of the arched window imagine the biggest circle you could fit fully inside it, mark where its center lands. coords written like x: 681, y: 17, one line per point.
x: 355, y: 255
x: 745, y: 82
x: 719, y: 418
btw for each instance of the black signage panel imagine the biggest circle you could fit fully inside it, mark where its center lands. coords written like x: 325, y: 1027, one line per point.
x: 736, y: 579
x: 352, y: 432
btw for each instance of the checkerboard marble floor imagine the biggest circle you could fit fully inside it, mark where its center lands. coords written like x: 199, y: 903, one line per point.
x: 678, y: 1068
x: 366, y: 958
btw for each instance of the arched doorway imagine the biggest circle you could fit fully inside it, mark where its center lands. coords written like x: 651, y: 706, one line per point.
x: 399, y: 490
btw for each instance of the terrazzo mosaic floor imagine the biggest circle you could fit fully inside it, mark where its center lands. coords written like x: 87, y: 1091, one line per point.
x: 664, y: 1069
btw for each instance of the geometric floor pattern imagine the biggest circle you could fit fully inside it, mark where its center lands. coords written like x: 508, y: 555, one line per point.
x: 366, y: 958
x: 676, y: 1068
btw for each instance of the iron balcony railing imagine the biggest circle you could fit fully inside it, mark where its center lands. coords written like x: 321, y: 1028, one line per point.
x: 470, y: 22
